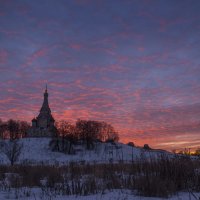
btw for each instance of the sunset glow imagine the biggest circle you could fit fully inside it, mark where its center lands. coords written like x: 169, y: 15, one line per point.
x: 134, y: 64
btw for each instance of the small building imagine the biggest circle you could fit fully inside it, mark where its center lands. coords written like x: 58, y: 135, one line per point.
x: 43, y: 124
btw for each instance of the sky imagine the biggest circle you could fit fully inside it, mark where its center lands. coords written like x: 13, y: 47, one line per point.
x: 133, y: 63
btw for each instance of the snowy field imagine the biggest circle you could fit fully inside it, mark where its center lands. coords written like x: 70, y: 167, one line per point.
x: 37, y: 151
x: 37, y: 194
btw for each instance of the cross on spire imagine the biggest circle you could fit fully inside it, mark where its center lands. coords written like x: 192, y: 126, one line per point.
x: 46, y: 88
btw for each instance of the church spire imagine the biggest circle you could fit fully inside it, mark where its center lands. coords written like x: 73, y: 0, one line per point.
x: 45, y: 105
x: 43, y: 124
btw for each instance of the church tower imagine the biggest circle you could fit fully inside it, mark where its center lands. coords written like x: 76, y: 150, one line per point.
x: 43, y: 124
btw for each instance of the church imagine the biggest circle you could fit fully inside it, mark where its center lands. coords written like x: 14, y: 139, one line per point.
x: 43, y: 124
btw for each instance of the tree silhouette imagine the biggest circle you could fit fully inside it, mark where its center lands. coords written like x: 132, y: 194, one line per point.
x: 12, y: 149
x: 68, y: 134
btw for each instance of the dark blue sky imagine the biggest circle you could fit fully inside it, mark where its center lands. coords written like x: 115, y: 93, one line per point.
x: 134, y: 64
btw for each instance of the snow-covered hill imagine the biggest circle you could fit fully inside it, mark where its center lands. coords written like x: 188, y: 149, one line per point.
x: 37, y: 151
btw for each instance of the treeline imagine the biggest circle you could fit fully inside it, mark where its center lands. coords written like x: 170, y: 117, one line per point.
x: 13, y: 129
x: 83, y: 131
x: 187, y: 152
x: 66, y: 134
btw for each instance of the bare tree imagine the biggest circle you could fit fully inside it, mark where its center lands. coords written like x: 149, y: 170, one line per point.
x: 146, y: 146
x: 95, y: 130
x: 197, y: 152
x: 89, y: 131
x: 67, y: 136
x: 108, y: 132
x: 23, y: 128
x: 3, y: 128
x: 12, y: 149
x: 13, y: 128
